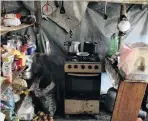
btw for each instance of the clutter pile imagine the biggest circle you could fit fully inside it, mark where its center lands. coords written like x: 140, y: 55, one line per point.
x: 17, y: 52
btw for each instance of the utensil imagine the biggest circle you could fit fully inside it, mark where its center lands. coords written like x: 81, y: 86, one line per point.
x: 56, y: 4
x: 47, y: 9
x: 62, y: 10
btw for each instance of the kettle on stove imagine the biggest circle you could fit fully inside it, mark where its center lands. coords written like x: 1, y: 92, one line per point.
x: 90, y: 47
x: 73, y: 46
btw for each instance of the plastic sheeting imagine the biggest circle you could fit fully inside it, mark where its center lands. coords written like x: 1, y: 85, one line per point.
x: 92, y: 27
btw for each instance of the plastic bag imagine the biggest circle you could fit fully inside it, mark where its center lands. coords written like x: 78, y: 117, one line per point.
x: 134, y: 59
x: 8, y: 105
x: 46, y: 96
x: 2, y: 116
x: 26, y: 111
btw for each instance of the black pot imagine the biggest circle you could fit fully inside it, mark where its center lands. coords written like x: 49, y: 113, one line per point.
x: 90, y: 47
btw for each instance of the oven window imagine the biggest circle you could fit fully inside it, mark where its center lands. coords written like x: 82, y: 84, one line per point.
x: 79, y: 84
x: 83, y: 86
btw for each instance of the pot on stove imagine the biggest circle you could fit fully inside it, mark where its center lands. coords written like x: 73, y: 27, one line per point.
x: 73, y: 46
x: 90, y: 47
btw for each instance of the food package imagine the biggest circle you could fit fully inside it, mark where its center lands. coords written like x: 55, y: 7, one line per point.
x: 7, y: 70
x: 134, y: 61
x: 11, y: 22
x: 11, y: 15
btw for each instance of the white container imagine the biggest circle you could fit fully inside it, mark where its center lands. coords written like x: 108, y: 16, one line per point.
x: 11, y: 22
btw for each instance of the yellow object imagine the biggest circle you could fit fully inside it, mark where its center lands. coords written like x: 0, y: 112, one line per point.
x: 23, y: 59
x: 17, y: 53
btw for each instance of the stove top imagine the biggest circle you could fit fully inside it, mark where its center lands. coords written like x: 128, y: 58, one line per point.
x: 74, y: 58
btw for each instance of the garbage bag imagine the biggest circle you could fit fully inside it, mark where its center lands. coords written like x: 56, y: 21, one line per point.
x: 26, y: 110
x: 47, y: 96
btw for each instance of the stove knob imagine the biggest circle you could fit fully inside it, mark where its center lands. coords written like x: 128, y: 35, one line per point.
x: 89, y: 67
x: 69, y: 66
x: 96, y: 67
x: 75, y: 66
x: 83, y: 67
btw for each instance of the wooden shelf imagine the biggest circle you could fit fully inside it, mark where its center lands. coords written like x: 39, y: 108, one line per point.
x: 4, y: 30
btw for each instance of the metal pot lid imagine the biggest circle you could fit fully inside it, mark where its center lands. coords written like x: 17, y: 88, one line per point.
x: 83, y: 54
x: 89, y: 42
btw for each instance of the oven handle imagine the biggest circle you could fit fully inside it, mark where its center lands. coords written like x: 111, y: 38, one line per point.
x: 71, y: 74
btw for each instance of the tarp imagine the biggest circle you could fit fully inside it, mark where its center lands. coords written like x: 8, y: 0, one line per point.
x: 91, y: 27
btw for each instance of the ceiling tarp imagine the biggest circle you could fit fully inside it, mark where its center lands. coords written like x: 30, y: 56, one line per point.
x: 120, y: 1
x: 91, y: 27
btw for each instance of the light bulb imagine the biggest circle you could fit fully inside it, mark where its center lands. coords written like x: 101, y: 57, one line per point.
x: 124, y: 25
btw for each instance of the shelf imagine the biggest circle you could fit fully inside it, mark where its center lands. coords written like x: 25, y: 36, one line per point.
x: 4, y: 30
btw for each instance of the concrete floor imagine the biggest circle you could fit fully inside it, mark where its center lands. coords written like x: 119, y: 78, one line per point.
x: 103, y: 116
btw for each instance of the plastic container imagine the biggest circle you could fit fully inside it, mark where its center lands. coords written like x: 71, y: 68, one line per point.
x: 113, y: 44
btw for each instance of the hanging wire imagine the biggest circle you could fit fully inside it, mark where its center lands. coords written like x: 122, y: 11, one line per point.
x: 105, y: 6
x: 105, y: 15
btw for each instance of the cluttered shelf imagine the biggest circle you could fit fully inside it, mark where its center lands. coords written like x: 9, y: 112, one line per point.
x: 5, y: 29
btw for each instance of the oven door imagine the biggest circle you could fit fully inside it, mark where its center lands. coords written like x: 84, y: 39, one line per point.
x: 85, y: 86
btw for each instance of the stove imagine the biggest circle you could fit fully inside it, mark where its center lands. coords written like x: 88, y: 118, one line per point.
x: 82, y: 83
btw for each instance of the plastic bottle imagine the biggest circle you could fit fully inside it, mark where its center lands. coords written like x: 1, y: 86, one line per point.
x: 113, y: 44
x: 7, y: 70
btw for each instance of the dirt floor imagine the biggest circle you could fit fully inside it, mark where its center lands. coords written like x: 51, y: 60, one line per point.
x: 103, y: 116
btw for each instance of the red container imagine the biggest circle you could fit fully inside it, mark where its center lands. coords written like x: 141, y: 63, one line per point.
x: 19, y: 63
